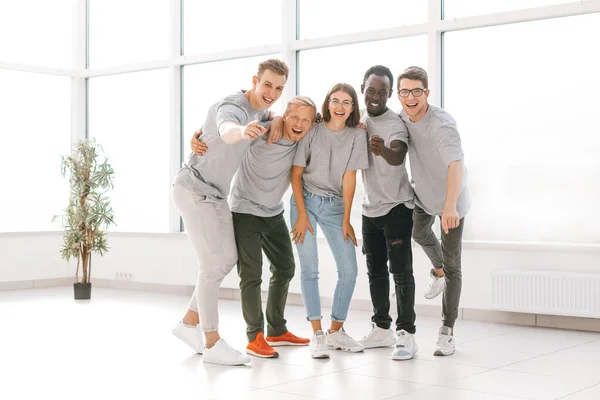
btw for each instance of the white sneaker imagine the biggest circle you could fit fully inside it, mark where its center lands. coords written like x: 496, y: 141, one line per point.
x: 222, y: 353
x: 436, y: 285
x: 318, y: 346
x: 190, y: 335
x: 378, y: 337
x: 406, y: 346
x: 342, y: 341
x: 445, y: 343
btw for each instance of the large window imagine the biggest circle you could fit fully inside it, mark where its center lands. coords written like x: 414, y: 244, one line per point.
x: 38, y: 32
x: 129, y: 116
x: 326, y: 18
x: 322, y: 68
x: 35, y: 131
x: 525, y: 100
x: 211, y: 26
x: 128, y: 31
x: 467, y: 8
x: 205, y: 84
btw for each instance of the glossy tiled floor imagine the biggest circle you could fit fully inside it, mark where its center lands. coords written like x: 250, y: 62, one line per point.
x: 119, y: 346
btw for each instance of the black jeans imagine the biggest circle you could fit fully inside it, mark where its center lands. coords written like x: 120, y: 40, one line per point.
x: 388, y: 238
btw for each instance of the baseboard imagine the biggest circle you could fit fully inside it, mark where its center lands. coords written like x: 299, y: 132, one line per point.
x: 471, y: 314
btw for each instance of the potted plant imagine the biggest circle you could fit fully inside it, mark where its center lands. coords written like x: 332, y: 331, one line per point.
x: 88, y: 212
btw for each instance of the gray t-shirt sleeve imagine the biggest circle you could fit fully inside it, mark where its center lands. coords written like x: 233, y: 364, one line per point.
x: 231, y: 112
x: 303, y: 151
x: 449, y: 145
x: 359, y: 158
x: 235, y: 113
x: 399, y: 132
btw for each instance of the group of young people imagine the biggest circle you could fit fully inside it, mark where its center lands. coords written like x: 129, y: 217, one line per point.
x: 320, y: 154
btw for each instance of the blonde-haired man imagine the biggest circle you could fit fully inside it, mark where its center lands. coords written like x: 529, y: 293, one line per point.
x: 259, y: 226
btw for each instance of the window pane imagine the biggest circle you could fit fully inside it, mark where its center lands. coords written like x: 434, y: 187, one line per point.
x: 218, y: 79
x: 36, y: 132
x: 326, y: 18
x: 205, y: 84
x: 129, y: 116
x: 128, y: 31
x: 205, y: 19
x: 322, y: 68
x: 37, y: 32
x: 468, y: 8
x: 528, y: 121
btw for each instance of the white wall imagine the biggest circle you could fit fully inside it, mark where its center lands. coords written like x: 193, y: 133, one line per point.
x: 168, y: 259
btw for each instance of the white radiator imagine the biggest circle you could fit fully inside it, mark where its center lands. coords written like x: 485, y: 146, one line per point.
x: 542, y: 292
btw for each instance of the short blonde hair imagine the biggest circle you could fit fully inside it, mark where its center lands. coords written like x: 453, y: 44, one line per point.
x: 300, y: 101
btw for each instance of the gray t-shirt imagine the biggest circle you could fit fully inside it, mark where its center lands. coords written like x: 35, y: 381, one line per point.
x: 326, y: 155
x: 386, y: 186
x: 211, y: 174
x: 434, y: 144
x: 263, y: 178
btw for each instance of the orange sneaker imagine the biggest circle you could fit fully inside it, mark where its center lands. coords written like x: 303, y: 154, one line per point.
x: 259, y: 348
x: 287, y: 339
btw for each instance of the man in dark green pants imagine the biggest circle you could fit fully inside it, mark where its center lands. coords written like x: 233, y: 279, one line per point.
x: 259, y: 225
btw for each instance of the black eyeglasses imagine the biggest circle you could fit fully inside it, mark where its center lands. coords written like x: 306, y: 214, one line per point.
x: 415, y: 92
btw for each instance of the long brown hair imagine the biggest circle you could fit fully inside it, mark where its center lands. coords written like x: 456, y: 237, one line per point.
x: 354, y: 118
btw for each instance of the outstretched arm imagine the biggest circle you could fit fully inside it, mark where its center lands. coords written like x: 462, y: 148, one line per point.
x: 232, y: 133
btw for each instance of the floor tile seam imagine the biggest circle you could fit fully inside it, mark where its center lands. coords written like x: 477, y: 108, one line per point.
x: 571, y: 394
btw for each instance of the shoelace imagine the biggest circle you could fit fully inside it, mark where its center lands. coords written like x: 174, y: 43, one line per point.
x: 347, y: 339
x: 401, y: 341
x: 321, y: 339
x: 370, y: 334
x: 226, y: 345
x: 443, y: 340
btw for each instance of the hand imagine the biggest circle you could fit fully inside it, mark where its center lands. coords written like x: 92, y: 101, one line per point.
x: 318, y: 118
x: 363, y: 127
x: 377, y: 145
x: 299, y: 230
x: 348, y: 232
x: 253, y: 130
x: 276, y: 130
x: 450, y: 219
x: 198, y: 146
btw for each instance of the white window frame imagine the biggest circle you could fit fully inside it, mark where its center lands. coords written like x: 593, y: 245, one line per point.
x: 289, y: 47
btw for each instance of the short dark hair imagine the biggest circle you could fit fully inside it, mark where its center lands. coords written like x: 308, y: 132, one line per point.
x: 275, y: 65
x: 354, y: 118
x: 379, y: 70
x: 415, y: 74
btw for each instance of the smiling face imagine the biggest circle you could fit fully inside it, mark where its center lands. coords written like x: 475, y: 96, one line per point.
x: 414, y: 106
x: 377, y: 90
x: 297, y: 122
x: 267, y: 89
x: 340, y: 106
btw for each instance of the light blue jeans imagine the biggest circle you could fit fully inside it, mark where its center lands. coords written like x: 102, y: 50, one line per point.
x: 326, y: 213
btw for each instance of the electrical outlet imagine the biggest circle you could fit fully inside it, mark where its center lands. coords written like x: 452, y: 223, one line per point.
x: 124, y: 276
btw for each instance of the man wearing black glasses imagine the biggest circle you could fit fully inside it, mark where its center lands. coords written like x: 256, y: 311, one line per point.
x: 439, y: 179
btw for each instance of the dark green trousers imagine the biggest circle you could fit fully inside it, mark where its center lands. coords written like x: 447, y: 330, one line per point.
x: 253, y: 235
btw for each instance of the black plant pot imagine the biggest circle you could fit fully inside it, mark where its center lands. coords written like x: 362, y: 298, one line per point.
x: 82, y: 291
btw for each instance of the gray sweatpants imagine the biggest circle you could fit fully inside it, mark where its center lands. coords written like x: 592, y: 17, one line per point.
x: 209, y: 227
x: 446, y: 256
